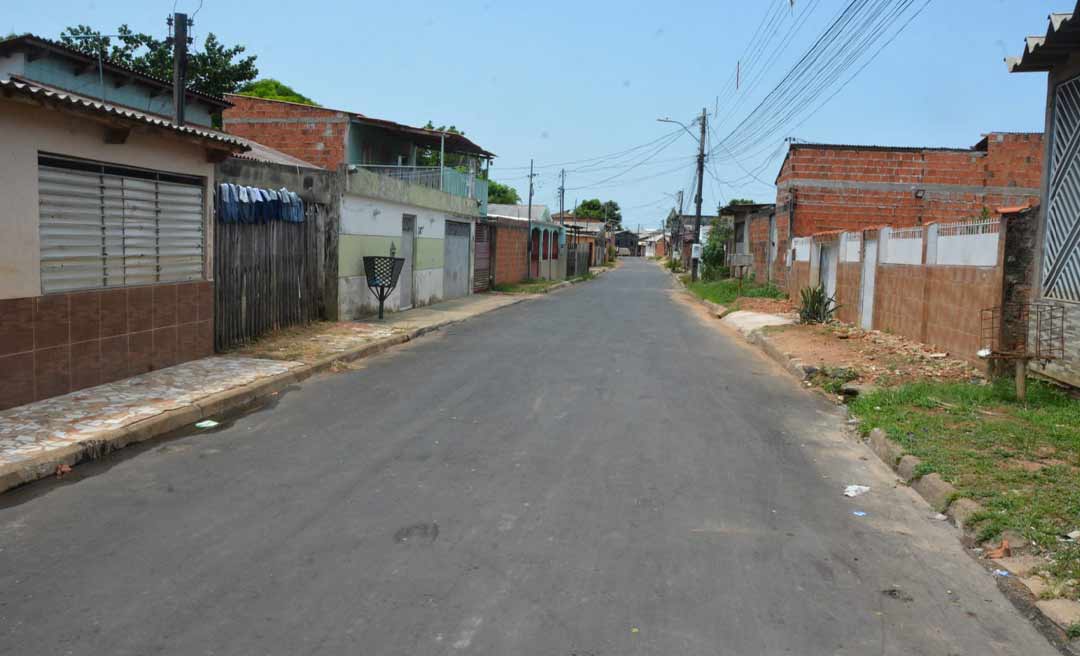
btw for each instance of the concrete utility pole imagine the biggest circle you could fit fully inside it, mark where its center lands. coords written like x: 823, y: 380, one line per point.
x: 180, y: 55
x: 697, y: 198
x: 528, y: 235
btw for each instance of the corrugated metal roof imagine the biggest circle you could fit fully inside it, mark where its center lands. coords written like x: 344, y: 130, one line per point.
x: 23, y: 40
x: 70, y: 100
x: 1041, y: 53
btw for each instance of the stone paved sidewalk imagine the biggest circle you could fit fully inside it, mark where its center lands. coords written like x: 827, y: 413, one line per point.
x: 36, y: 437
x: 32, y: 430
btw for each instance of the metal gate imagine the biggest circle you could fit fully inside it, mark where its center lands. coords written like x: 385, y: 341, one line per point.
x: 1061, y: 265
x: 456, y: 260
x: 482, y: 263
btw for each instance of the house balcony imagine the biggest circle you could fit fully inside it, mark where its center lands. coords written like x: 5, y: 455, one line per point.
x: 444, y: 180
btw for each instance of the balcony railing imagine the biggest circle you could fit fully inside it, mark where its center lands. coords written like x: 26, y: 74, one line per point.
x: 451, y: 181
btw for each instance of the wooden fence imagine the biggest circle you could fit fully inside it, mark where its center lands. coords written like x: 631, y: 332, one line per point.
x: 267, y: 276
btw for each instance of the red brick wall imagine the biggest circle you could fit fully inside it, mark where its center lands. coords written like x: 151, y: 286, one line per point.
x: 1008, y: 160
x: 848, y: 278
x: 759, y: 246
x: 60, y: 343
x: 510, y: 244
x: 320, y: 140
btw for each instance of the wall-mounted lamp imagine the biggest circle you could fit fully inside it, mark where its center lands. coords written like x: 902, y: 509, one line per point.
x: 920, y: 193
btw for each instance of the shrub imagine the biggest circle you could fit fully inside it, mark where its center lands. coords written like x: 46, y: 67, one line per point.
x: 817, y: 306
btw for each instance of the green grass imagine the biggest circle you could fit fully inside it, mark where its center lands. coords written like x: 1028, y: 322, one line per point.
x: 726, y: 291
x: 1020, y: 461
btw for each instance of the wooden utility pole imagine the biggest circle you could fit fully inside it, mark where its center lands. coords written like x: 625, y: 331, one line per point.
x: 697, y: 198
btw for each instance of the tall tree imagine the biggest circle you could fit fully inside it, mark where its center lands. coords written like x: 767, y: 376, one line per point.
x: 502, y: 194
x: 216, y: 69
x: 611, y: 213
x: 590, y: 209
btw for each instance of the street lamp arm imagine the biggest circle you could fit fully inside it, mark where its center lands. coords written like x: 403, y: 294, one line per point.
x: 679, y: 123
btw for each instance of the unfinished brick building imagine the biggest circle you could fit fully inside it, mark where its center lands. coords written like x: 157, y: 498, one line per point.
x: 829, y: 187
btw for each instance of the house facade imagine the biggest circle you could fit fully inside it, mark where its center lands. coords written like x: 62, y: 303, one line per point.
x: 106, y: 221
x: 394, y: 200
x: 516, y: 239
x: 1052, y: 274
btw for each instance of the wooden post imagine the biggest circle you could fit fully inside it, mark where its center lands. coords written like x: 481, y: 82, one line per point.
x: 1021, y: 380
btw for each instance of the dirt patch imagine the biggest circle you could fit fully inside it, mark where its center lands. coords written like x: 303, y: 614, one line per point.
x: 875, y: 357
x: 317, y: 340
x: 766, y: 305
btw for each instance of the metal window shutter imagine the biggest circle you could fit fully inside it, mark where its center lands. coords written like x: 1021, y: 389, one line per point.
x: 71, y: 229
x: 140, y: 232
x: 180, y: 232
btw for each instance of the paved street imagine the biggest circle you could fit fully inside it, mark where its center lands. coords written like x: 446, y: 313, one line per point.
x: 603, y: 471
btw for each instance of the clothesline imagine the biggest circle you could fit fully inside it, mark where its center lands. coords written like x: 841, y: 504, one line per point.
x: 240, y: 204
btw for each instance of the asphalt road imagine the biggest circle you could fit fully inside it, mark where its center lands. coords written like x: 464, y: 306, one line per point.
x: 603, y: 471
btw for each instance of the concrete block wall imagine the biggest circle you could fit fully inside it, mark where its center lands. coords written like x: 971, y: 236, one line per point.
x: 759, y: 246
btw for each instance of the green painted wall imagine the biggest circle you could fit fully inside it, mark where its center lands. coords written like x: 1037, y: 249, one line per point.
x: 353, y: 248
x: 429, y: 253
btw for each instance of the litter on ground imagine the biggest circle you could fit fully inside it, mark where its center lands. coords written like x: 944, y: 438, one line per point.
x: 855, y: 490
x: 206, y: 423
x: 859, y: 513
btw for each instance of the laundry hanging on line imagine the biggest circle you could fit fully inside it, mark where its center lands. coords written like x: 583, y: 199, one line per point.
x: 241, y: 204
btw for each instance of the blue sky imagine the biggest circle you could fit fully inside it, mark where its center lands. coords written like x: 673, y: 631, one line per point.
x: 564, y: 81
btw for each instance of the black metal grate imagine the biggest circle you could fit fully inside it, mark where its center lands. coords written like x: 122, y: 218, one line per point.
x: 1034, y: 331
x: 382, y: 271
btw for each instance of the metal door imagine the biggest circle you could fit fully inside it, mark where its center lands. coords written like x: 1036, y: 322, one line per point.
x: 869, y: 270
x: 405, y: 281
x: 456, y: 258
x: 482, y: 264
x: 827, y: 262
x: 1061, y: 254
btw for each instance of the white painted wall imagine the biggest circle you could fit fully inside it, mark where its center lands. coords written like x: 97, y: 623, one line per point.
x: 968, y: 250
x: 900, y: 251
x: 802, y: 248
x: 380, y: 218
x: 28, y: 130
x: 850, y: 247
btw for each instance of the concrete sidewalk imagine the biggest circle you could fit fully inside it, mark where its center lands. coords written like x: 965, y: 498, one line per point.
x: 38, y: 437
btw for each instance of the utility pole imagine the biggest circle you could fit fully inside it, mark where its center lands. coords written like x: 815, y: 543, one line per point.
x: 562, y: 196
x: 697, y: 198
x: 528, y: 235
x: 179, y: 24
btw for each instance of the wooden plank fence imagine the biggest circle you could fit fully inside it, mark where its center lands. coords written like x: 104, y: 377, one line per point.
x: 267, y: 276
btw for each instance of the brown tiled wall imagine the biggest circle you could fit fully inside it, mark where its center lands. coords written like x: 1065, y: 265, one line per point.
x: 509, y: 253
x: 798, y: 278
x: 848, y: 277
x: 55, y: 344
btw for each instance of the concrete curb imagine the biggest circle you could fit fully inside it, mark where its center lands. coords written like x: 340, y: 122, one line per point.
x: 42, y: 466
x: 938, y: 493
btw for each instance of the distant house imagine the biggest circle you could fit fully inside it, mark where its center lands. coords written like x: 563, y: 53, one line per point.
x: 682, y: 236
x: 396, y: 198
x: 1053, y: 271
x: 626, y: 242
x: 753, y: 245
x: 106, y: 221
x: 546, y: 255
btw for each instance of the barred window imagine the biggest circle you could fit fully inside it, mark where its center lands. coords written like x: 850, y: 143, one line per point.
x: 108, y: 226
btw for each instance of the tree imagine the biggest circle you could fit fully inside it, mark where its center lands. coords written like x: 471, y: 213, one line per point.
x: 430, y: 156
x: 217, y: 69
x: 712, y: 254
x: 611, y: 213
x: 502, y: 194
x: 272, y: 89
x: 741, y: 201
x: 590, y: 209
